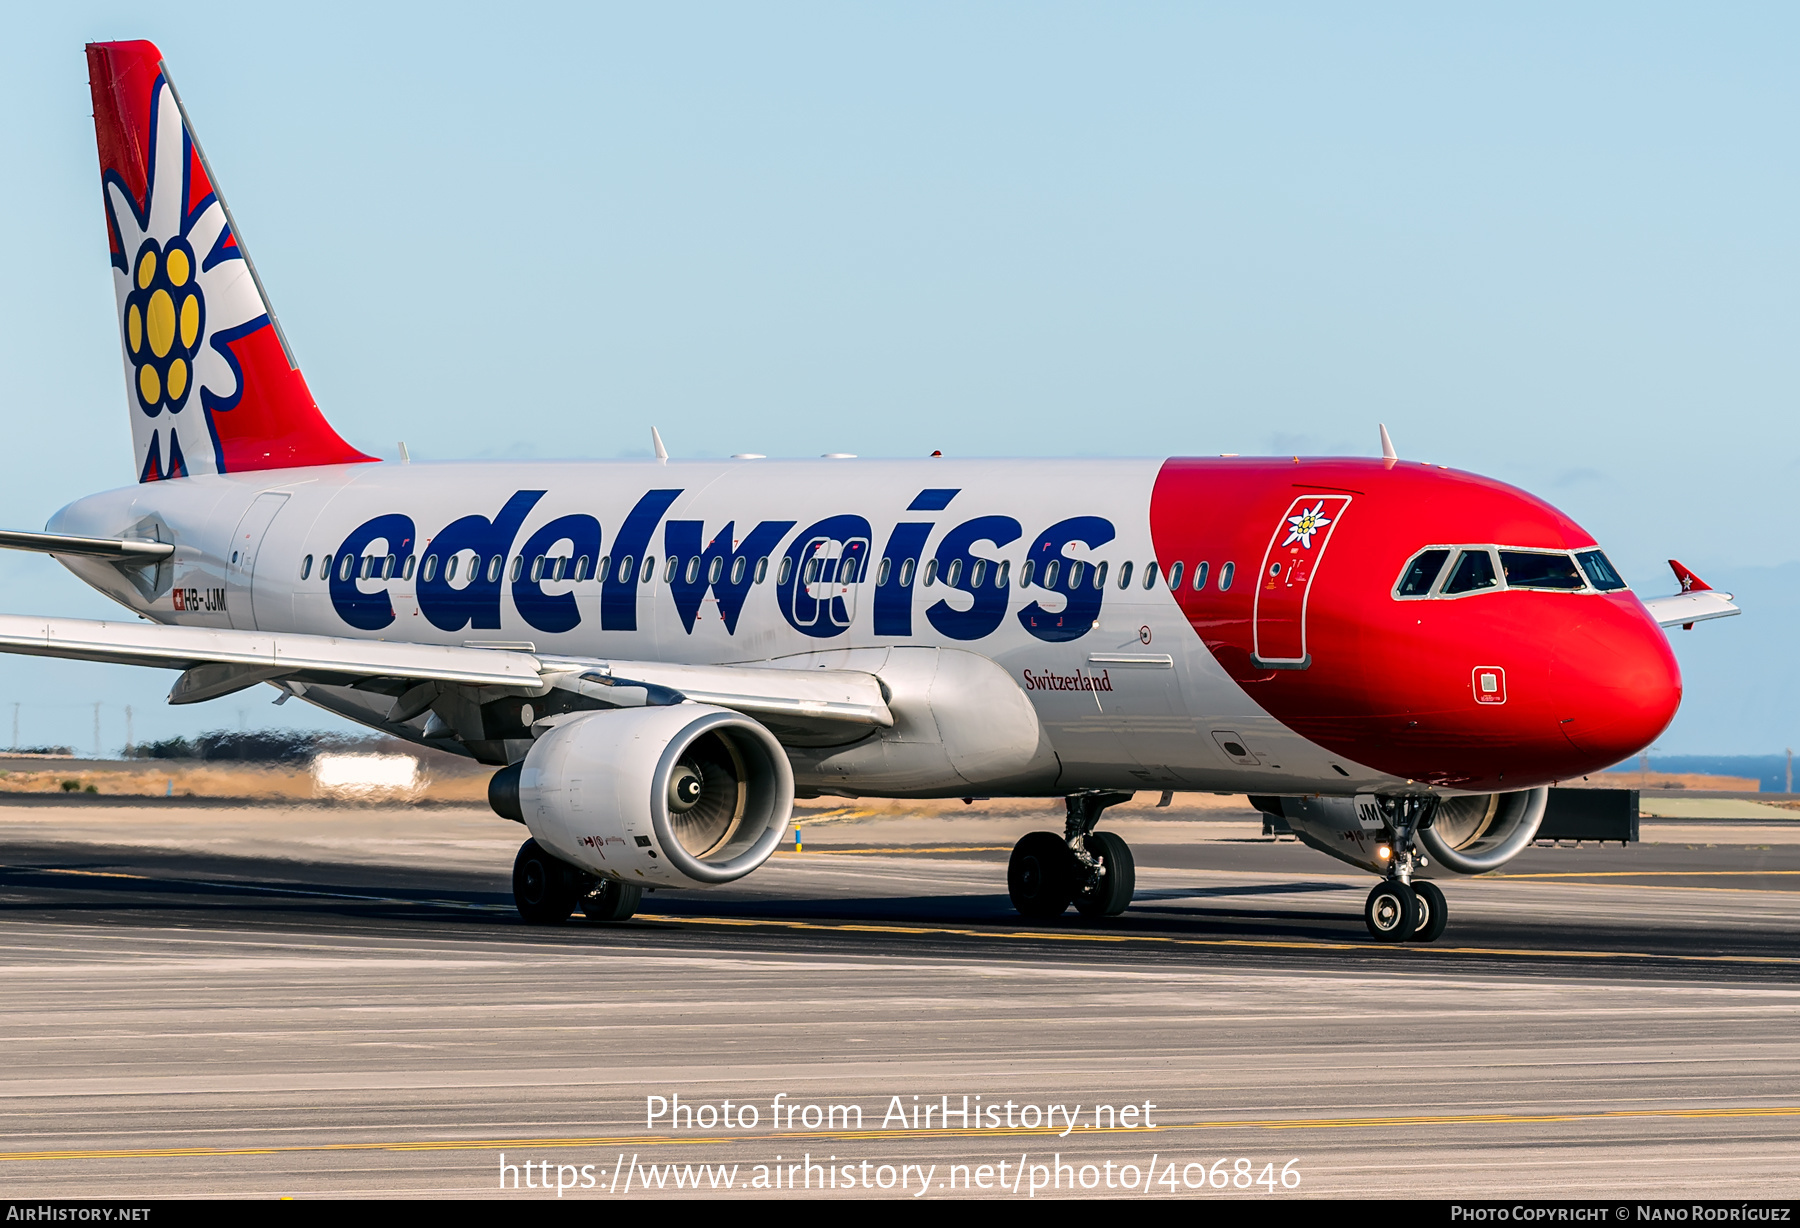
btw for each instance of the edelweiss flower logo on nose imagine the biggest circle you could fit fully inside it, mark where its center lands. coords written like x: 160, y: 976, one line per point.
x: 164, y: 321
x: 1302, y: 527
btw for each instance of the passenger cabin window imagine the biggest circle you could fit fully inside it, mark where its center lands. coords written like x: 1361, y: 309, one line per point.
x: 306, y: 567
x: 1225, y: 574
x: 1600, y: 571
x: 1174, y: 576
x: 1152, y: 573
x: 1529, y: 569
x: 1125, y: 574
x: 1421, y: 574
x: 1200, y: 570
x: 1474, y: 572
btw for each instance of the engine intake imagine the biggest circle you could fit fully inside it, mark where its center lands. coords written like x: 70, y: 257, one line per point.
x: 1484, y: 831
x: 685, y: 795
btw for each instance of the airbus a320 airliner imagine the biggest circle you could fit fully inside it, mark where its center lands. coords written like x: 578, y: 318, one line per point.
x: 659, y: 656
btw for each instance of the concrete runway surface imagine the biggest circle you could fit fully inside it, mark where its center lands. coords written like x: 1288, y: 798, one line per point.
x: 340, y: 1001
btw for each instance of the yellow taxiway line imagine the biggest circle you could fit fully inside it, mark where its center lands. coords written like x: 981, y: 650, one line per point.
x: 664, y: 1140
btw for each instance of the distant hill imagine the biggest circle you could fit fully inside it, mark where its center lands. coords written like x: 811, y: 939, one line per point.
x: 1770, y: 770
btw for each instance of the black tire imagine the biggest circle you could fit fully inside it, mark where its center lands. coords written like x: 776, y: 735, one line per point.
x: 1112, y: 894
x: 545, y: 888
x: 612, y: 900
x: 1391, y: 912
x: 1434, y: 911
x: 1040, y: 877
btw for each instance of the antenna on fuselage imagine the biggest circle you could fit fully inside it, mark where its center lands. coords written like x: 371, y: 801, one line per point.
x: 1387, y: 444
x: 662, y: 453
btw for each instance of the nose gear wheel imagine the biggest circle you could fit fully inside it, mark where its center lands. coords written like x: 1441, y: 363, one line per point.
x: 1434, y: 912
x: 1391, y: 912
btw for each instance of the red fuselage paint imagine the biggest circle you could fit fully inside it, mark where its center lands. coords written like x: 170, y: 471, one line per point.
x: 1589, y: 677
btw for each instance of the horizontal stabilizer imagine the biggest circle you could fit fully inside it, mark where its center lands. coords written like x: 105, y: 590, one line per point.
x: 112, y: 549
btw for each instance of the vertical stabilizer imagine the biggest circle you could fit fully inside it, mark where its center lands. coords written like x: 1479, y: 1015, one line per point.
x: 211, y: 384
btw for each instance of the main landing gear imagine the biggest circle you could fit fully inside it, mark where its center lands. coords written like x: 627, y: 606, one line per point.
x: 547, y: 890
x: 1400, y: 908
x: 1092, y: 870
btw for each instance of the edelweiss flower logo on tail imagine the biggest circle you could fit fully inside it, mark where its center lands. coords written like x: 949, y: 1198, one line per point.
x: 212, y: 387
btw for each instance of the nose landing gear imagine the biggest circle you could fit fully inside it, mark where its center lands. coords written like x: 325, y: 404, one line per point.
x: 1093, y: 870
x: 1400, y: 909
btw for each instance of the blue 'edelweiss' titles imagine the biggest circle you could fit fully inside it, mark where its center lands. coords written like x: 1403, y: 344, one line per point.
x: 819, y: 577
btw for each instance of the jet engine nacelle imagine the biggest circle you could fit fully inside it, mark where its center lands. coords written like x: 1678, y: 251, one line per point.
x: 1484, y: 831
x: 1469, y: 834
x: 686, y: 795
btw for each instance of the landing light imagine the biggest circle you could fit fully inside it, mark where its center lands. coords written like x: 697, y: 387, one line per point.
x: 1383, y: 852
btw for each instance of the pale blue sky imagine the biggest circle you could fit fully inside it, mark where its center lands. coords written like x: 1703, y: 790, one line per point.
x: 1552, y: 243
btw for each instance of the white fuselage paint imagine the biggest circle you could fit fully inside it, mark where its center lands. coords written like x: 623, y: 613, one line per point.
x: 1129, y: 721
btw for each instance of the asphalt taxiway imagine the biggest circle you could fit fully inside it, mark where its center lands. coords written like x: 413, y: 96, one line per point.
x: 307, y: 1002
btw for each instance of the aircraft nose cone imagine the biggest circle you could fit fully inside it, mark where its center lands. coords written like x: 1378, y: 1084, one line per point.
x: 1615, y: 684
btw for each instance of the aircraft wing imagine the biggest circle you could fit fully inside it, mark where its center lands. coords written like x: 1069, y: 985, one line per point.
x: 212, y: 657
x: 1697, y: 601
x: 217, y: 662
x: 1686, y: 609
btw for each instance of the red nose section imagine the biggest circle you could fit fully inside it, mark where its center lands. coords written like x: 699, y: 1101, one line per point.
x: 1615, y: 678
x: 1506, y: 687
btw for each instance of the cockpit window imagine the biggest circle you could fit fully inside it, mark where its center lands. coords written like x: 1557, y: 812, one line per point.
x: 1529, y: 569
x: 1474, y: 572
x: 1600, y: 571
x: 1422, y: 574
